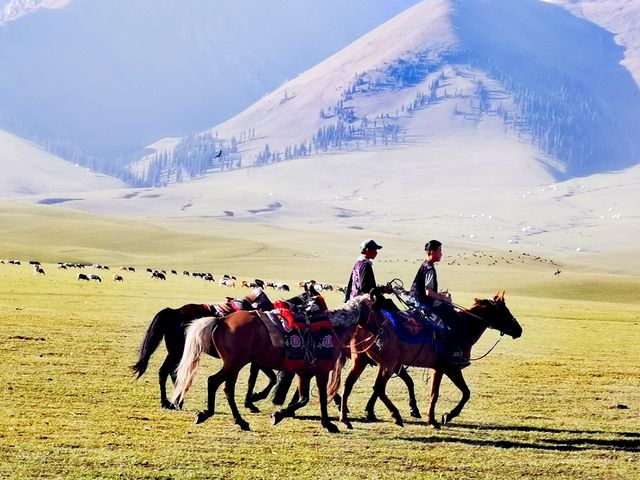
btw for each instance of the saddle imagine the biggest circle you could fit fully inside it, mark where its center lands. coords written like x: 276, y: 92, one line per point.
x: 304, y: 332
x: 257, y: 300
x: 416, y: 326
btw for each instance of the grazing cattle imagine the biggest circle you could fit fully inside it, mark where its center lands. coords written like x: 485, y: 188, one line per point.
x: 82, y: 276
x: 118, y: 278
x: 185, y: 273
x: 158, y: 275
x: 38, y: 270
x: 259, y: 283
x: 208, y: 277
x: 131, y: 269
x: 227, y: 282
x: 284, y: 287
x: 557, y: 272
x: 174, y: 272
x: 245, y: 283
x: 95, y: 277
x: 34, y: 262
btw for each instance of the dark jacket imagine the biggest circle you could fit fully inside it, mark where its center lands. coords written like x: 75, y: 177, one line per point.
x: 418, y: 287
x: 362, y: 279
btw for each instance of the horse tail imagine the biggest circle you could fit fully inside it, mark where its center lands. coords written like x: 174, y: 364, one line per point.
x: 199, y: 338
x: 151, y: 340
x: 336, y: 375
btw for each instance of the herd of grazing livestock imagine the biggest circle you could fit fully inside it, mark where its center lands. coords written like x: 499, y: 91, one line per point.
x: 225, y: 280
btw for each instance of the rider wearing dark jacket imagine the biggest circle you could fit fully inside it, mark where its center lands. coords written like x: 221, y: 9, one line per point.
x: 426, y: 296
x: 362, y: 278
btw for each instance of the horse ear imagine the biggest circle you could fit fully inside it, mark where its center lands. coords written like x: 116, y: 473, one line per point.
x: 499, y: 296
x: 477, y: 301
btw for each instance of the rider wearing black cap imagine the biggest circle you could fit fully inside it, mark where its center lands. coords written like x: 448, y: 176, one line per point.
x: 362, y: 278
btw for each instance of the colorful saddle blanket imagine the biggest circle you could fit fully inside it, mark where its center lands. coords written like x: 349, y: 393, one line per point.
x: 414, y: 326
x: 259, y: 302
x: 304, y: 332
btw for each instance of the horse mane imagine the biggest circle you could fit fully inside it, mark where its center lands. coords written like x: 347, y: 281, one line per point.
x: 347, y: 314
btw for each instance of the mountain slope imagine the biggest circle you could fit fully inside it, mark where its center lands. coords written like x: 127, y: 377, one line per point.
x: 26, y: 169
x: 446, y: 67
x: 121, y: 74
x: 620, y: 17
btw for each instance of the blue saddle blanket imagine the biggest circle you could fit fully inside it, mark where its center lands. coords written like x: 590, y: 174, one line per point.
x: 413, y: 326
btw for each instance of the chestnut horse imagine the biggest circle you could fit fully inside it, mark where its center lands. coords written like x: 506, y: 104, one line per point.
x: 242, y: 337
x: 388, y: 351
x: 171, y: 323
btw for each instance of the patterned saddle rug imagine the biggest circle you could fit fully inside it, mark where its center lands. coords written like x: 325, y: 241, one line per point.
x: 257, y: 300
x: 304, y: 332
x: 414, y: 326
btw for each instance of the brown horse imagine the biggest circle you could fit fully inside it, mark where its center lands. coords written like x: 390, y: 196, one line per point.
x: 243, y: 337
x: 388, y: 351
x: 171, y: 323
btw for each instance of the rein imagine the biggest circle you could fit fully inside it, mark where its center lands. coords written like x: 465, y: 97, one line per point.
x: 488, y: 352
x: 468, y: 312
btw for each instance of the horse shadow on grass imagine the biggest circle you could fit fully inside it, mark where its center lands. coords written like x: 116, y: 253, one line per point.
x: 565, y: 439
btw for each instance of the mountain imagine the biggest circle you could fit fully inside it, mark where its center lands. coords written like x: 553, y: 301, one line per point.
x: 491, y: 124
x: 96, y: 81
x: 13, y: 9
x: 620, y: 17
x: 27, y: 169
x: 522, y: 72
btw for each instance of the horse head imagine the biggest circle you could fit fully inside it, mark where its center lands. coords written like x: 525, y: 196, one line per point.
x: 497, y: 315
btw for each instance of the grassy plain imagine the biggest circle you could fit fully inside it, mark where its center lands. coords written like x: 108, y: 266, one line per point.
x: 563, y: 401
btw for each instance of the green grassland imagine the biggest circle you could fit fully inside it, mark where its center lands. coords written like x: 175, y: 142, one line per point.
x: 563, y: 401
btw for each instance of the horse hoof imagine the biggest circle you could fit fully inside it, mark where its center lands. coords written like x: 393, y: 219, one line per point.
x: 399, y: 422
x: 446, y: 418
x: 371, y: 417
x: 256, y: 397
x: 347, y: 424
x: 415, y: 413
x: 435, y: 425
x: 167, y: 404
x: 252, y: 408
x: 276, y: 418
x: 331, y: 428
x: 244, y: 426
x: 201, y: 417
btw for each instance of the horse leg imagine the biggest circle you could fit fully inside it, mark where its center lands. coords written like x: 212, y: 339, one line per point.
x: 230, y: 392
x: 403, y: 373
x: 272, y: 381
x: 304, y: 381
x: 167, y: 368
x: 282, y: 387
x: 249, y: 399
x: 436, y: 380
x: 322, y: 379
x: 213, y: 383
x: 384, y: 374
x: 458, y: 380
x: 370, y: 408
x: 358, y: 366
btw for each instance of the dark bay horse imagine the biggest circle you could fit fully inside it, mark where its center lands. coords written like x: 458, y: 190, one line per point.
x: 243, y: 337
x: 388, y: 351
x: 171, y: 324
